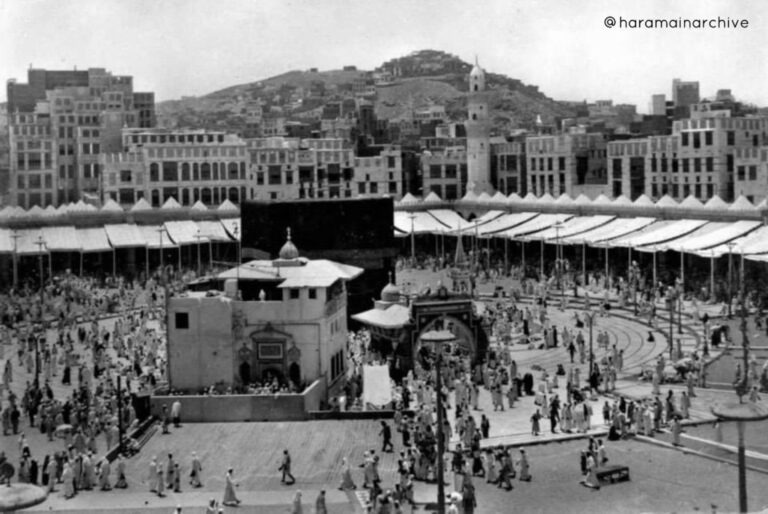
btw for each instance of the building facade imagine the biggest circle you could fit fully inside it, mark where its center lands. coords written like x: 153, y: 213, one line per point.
x: 573, y: 163
x: 85, y: 112
x: 187, y: 165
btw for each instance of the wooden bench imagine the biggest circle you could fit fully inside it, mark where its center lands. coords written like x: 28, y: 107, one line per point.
x: 612, y: 474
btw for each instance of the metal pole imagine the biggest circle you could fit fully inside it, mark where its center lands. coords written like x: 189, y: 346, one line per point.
x: 606, y: 266
x: 712, y: 275
x: 413, y: 241
x: 114, y: 262
x: 591, y: 353
x: 198, y: 236
x: 742, y: 468
x: 584, y: 264
x: 440, y: 442
x: 506, y: 257
x: 119, y: 415
x: 15, y: 236
x: 146, y: 261
x: 654, y: 268
x: 541, y: 261
x: 671, y: 320
x: 730, y: 274
x: 40, y: 243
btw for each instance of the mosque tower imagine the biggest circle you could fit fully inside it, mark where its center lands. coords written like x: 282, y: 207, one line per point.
x: 478, y: 134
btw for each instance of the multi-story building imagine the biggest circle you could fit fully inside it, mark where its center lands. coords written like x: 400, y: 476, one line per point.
x: 187, y: 165
x: 85, y: 112
x: 284, y: 169
x: 699, y: 158
x: 508, y: 164
x: 445, y: 173
x: 751, y: 178
x: 685, y: 93
x: 573, y: 163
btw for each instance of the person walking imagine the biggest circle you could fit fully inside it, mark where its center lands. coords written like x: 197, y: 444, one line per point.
x: 525, y: 468
x: 285, y: 467
x: 176, y: 414
x: 386, y: 436
x: 320, y: 507
x: 346, y: 476
x: 197, y: 468
x: 230, y: 499
x: 296, y: 507
x: 121, y: 482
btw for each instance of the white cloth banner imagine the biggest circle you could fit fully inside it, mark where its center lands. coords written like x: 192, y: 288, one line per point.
x: 376, y: 385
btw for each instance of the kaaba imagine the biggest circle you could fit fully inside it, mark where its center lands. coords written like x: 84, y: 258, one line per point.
x: 357, y: 231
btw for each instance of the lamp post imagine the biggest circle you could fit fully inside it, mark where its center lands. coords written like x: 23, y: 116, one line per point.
x: 671, y: 299
x: 742, y: 412
x: 633, y: 281
x: 198, y: 237
x: 236, y: 233
x: 40, y: 244
x: 412, y: 216
x: 15, y: 235
x: 730, y: 245
x: 589, y: 314
x: 436, y: 338
x: 680, y: 290
x: 558, y: 262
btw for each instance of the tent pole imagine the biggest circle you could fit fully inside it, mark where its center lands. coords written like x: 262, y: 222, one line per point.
x: 506, y: 257
x: 81, y: 264
x: 606, y: 266
x: 522, y: 246
x: 114, y: 262
x: 654, y: 267
x: 179, y: 258
x: 712, y: 276
x: 541, y: 262
x: 584, y: 264
x: 146, y: 261
x: 50, y: 264
x: 682, y: 267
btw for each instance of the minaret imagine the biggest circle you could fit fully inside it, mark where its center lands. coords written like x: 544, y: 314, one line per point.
x: 478, y: 134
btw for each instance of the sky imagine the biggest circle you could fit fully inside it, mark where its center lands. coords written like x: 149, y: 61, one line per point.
x: 193, y: 47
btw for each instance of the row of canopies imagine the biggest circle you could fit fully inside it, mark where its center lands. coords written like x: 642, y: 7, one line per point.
x: 110, y: 206
x: 646, y: 234
x: 742, y: 204
x: 67, y: 238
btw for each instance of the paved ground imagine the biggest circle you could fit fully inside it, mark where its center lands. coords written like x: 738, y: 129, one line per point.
x: 663, y: 480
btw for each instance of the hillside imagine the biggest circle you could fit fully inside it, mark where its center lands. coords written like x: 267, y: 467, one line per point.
x: 422, y: 78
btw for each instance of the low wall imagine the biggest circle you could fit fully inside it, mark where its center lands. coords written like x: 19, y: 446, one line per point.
x: 245, y: 407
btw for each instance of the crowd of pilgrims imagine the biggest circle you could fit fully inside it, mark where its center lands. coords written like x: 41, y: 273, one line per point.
x: 91, y: 332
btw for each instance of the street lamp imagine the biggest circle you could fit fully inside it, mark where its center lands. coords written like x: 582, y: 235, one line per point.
x: 671, y: 299
x: 742, y: 412
x: 412, y: 216
x: 730, y: 246
x: 437, y: 338
x: 15, y: 235
x: 198, y: 237
x: 40, y: 244
x: 589, y: 315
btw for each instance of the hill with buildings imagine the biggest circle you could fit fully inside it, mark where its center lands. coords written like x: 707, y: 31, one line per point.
x: 399, y: 87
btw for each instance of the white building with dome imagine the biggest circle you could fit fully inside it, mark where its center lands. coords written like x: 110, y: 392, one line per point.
x: 289, y: 323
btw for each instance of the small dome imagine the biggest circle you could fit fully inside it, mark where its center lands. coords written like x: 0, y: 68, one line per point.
x: 477, y: 71
x: 390, y: 293
x: 289, y: 250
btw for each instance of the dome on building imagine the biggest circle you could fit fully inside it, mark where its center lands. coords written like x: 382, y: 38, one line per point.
x: 390, y: 293
x: 289, y: 250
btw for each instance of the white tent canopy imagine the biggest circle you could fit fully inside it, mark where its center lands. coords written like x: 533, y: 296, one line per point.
x: 564, y: 199
x: 545, y: 199
x: 582, y: 199
x: 622, y: 201
x: 452, y: 219
x: 534, y: 225
x: 643, y: 201
x: 153, y: 234
x: 514, y: 198
x: 125, y: 235
x: 665, y: 231
x: 677, y: 243
x: 691, y: 202
x: 667, y: 201
x: 716, y: 203
x: 432, y: 198
x: 227, y: 206
x: 111, y: 206
x: 213, y: 231
x: 28, y: 242
x: 409, y: 199
x: 601, y: 200
x: 418, y: 223
x: 728, y: 232
x: 199, y: 206
x: 92, y: 240
x: 61, y: 239
x: 171, y: 203
x: 233, y: 228
x: 573, y: 226
x: 141, y: 205
x: 184, y: 232
x: 505, y: 222
x: 6, y: 242
x: 499, y: 197
x: 742, y: 204
x: 619, y: 227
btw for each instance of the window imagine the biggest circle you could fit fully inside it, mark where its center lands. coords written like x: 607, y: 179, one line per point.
x: 710, y: 164
x: 729, y: 163
x: 274, y: 175
x: 697, y: 140
x: 435, y: 171
x: 753, y: 173
x: 708, y: 138
x: 361, y: 188
x: 154, y: 172
x: 730, y: 138
x: 684, y: 139
x: 697, y: 164
x: 259, y: 178
x: 560, y: 163
x: 125, y: 175
x: 182, y: 320
x: 293, y: 294
x: 312, y: 293
x: 374, y: 188
x: 740, y: 173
